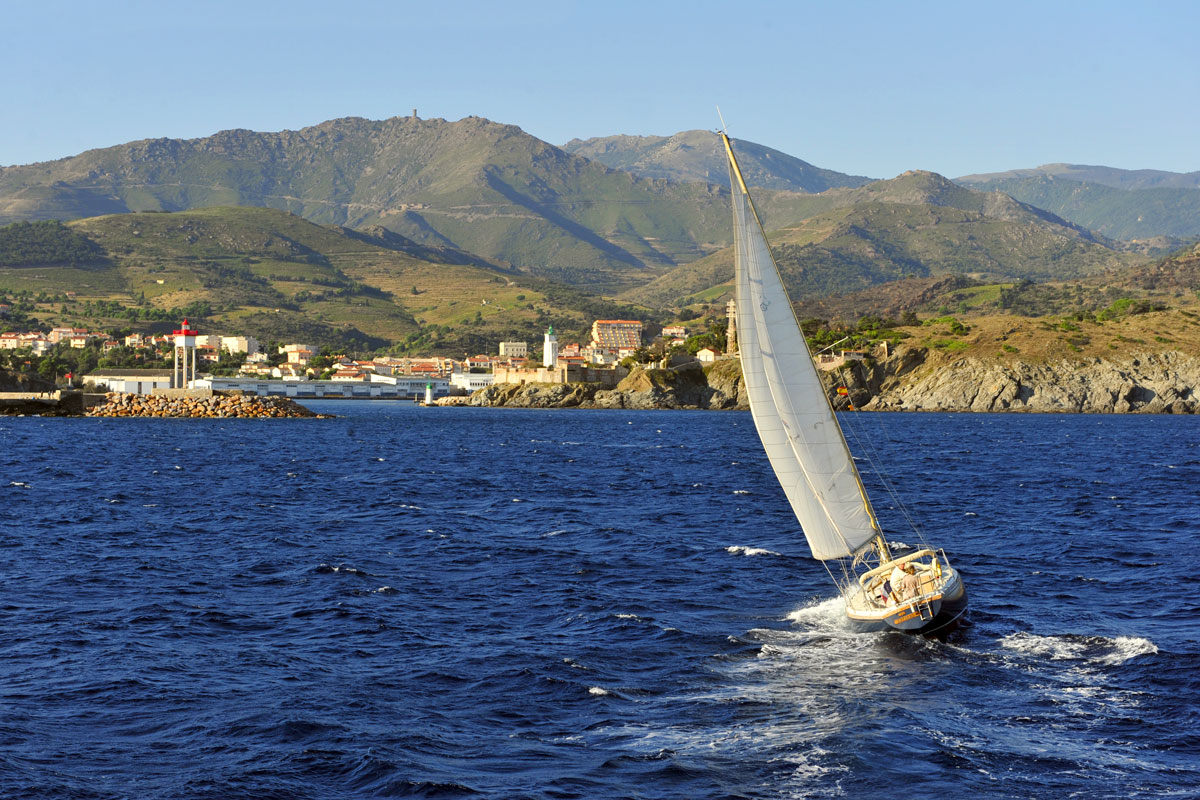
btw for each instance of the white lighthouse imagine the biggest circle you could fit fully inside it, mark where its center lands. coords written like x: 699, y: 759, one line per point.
x: 185, y: 346
x: 550, y: 349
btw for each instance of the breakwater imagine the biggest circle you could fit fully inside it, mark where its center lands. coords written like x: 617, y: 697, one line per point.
x: 216, y: 406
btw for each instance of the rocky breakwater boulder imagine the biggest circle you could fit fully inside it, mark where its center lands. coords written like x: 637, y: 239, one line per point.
x: 1149, y: 383
x: 118, y: 404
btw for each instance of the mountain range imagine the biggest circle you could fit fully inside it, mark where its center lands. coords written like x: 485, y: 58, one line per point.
x: 645, y: 219
x: 1122, y: 204
x: 473, y: 185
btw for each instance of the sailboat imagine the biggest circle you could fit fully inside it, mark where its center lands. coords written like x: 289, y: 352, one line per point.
x: 915, y: 592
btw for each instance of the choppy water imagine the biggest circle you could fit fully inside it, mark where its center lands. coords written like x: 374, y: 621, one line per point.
x: 500, y: 603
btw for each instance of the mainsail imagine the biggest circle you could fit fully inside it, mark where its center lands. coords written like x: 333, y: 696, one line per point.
x: 790, y: 408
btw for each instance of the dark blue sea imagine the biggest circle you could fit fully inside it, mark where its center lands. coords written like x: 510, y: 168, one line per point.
x: 456, y: 602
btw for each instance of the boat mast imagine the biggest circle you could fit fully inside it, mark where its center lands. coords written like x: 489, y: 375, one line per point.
x: 879, y: 542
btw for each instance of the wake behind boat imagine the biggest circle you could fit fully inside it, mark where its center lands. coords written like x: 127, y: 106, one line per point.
x: 916, y: 592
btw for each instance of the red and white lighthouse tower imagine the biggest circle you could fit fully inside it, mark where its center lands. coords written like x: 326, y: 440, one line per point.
x: 185, y: 345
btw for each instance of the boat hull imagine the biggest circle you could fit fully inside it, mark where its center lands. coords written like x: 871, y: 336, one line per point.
x: 948, y: 614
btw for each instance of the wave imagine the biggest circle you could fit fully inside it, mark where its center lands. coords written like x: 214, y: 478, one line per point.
x: 741, y: 550
x: 1073, y: 647
x: 326, y: 568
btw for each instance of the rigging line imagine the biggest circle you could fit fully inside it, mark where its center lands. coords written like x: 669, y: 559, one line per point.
x: 866, y: 443
x: 873, y: 458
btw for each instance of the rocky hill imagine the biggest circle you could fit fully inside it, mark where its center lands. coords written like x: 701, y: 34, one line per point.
x: 1129, y: 179
x: 700, y: 156
x: 918, y: 225
x: 1122, y: 204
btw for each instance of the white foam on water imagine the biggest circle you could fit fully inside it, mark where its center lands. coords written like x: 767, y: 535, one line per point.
x: 741, y: 550
x: 22, y: 484
x: 1127, y: 647
x: 807, y: 769
x: 596, y: 690
x: 548, y: 534
x: 1096, y: 649
x: 740, y: 491
x: 821, y: 613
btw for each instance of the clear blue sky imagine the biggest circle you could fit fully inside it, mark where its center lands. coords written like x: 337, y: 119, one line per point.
x: 870, y: 88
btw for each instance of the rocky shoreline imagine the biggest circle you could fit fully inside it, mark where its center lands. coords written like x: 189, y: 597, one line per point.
x: 687, y: 386
x: 911, y: 379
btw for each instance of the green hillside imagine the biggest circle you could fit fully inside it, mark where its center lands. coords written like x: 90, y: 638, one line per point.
x: 916, y: 225
x: 274, y: 275
x: 1130, y: 214
x: 700, y: 156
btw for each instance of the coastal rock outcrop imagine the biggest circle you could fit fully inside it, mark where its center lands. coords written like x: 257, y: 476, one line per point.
x: 686, y: 385
x: 535, y: 395
x: 1147, y: 383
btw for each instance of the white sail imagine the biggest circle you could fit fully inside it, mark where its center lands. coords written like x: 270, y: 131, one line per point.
x: 791, y: 412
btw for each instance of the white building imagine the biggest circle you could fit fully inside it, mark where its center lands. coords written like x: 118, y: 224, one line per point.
x: 471, y: 381
x: 131, y: 381
x: 239, y: 344
x: 514, y: 350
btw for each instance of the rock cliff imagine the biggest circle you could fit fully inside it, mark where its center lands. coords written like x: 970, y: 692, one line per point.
x: 1147, y: 383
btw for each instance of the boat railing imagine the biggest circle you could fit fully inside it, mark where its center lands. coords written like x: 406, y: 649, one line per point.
x: 867, y: 576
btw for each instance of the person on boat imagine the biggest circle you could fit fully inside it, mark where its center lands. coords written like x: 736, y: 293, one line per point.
x: 895, y: 580
x: 909, y: 586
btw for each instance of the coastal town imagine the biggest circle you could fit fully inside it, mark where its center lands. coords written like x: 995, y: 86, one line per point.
x: 299, y: 369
